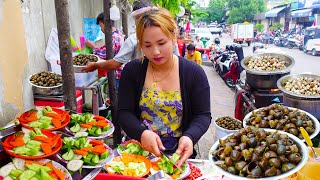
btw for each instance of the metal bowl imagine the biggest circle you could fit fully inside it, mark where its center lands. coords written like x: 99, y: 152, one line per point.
x: 78, y: 69
x: 301, y: 146
x: 289, y: 62
x: 281, y: 83
x: 41, y: 90
x: 314, y: 119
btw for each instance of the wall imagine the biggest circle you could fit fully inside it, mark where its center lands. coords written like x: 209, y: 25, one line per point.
x: 39, y: 19
x: 25, y: 28
x: 13, y: 58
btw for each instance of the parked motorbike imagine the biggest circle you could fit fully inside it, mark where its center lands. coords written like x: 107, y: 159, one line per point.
x: 222, y: 62
x: 231, y: 77
x: 292, y: 42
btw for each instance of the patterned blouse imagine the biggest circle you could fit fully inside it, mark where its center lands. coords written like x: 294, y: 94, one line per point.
x: 161, y: 111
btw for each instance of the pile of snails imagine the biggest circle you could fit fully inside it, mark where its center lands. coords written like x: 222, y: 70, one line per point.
x: 46, y: 79
x: 256, y: 153
x: 229, y: 123
x: 266, y: 63
x: 303, y: 85
x: 280, y: 117
x: 83, y: 59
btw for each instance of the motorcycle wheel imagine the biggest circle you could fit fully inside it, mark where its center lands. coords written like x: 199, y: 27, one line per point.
x: 229, y: 82
x: 216, y: 67
x: 290, y: 46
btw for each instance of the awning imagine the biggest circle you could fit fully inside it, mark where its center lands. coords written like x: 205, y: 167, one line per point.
x: 274, y: 12
x: 301, y: 13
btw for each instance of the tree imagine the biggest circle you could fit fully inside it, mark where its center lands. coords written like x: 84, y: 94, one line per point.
x: 244, y: 10
x: 63, y: 26
x: 171, y: 5
x: 216, y: 10
x: 259, y: 27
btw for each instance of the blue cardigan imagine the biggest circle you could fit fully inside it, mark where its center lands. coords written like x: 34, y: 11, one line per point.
x: 195, y: 94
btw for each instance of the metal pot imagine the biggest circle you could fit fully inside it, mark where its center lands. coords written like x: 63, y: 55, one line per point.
x: 53, y: 90
x: 308, y: 103
x: 266, y: 79
x: 263, y: 81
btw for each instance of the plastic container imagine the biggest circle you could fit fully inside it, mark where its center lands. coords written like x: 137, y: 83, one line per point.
x: 41, y: 103
x: 221, y: 132
x: 83, y: 79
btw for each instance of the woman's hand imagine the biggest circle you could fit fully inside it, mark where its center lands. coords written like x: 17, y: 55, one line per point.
x: 151, y: 142
x: 185, y: 149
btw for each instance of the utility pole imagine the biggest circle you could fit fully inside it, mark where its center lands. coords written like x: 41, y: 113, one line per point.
x: 111, y: 74
x: 69, y: 90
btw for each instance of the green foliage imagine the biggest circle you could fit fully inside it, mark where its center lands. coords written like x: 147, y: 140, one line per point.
x: 244, y: 10
x: 259, y: 27
x: 171, y: 5
x: 216, y: 10
x: 276, y: 26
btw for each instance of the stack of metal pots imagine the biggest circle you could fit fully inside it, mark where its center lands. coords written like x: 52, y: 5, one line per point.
x: 266, y: 79
x: 308, y: 103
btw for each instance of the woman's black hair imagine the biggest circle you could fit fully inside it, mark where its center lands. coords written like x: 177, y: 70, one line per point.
x: 191, y: 47
x: 100, y: 18
x: 141, y: 4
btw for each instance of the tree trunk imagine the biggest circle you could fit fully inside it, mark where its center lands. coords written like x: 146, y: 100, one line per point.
x: 69, y: 90
x: 125, y: 18
x: 111, y: 74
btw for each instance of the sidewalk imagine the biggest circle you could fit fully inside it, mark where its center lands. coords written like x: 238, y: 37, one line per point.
x: 222, y: 104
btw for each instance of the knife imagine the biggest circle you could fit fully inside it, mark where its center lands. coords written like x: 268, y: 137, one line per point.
x: 92, y: 174
x: 8, y: 131
x: 169, y: 160
x: 156, y: 176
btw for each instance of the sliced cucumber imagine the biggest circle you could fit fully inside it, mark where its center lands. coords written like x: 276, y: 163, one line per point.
x: 83, y: 129
x: 8, y: 178
x: 74, y: 165
x: 5, y: 170
x: 81, y: 134
x: 19, y: 163
x: 25, y: 130
x: 75, y: 128
x: 77, y: 157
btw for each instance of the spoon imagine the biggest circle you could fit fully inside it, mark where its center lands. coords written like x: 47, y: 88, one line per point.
x: 309, y: 142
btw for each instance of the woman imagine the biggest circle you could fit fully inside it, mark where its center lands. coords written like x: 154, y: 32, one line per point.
x: 164, y: 100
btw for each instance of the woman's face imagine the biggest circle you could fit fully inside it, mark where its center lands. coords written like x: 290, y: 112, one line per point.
x: 156, y: 45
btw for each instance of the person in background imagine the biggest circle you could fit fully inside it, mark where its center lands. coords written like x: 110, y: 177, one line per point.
x: 198, y: 43
x: 129, y: 49
x: 193, y: 55
x: 164, y: 100
x: 117, y: 38
x: 181, y: 45
x: 266, y: 37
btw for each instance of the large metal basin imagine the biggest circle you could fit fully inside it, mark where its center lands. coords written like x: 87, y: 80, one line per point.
x: 308, y: 103
x: 41, y: 90
x: 266, y: 79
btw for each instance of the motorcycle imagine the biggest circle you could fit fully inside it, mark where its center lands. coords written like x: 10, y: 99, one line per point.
x: 292, y: 42
x: 231, y: 77
x: 222, y: 62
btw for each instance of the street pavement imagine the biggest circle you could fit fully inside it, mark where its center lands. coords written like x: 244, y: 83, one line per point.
x: 222, y: 97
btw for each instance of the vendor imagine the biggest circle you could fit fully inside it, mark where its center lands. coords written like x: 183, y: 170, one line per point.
x: 164, y: 100
x: 193, y: 55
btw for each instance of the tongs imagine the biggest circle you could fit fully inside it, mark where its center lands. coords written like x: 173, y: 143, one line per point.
x: 309, y: 142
